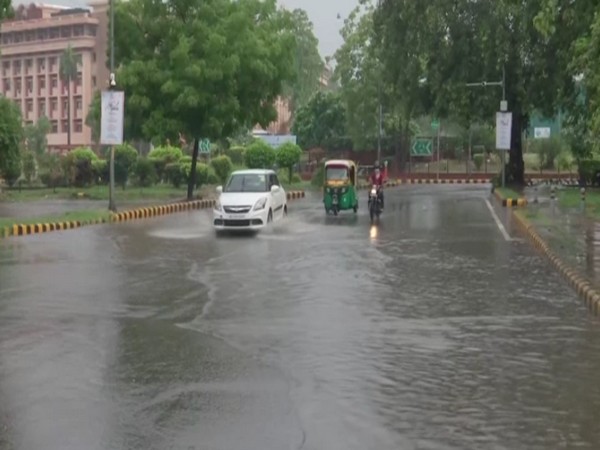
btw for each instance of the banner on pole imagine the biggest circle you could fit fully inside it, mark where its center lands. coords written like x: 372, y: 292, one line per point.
x: 112, y: 117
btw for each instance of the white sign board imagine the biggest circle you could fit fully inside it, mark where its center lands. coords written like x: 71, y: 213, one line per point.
x: 277, y: 140
x: 112, y: 114
x: 503, y: 130
x: 541, y: 133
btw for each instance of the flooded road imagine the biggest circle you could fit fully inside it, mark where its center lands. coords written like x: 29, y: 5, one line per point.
x: 428, y: 331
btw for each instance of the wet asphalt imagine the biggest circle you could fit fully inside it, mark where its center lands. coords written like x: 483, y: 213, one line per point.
x: 428, y: 330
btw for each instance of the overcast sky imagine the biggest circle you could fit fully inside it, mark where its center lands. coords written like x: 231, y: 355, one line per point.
x: 323, y: 14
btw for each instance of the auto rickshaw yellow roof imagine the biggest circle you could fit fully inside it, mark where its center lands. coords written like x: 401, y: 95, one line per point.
x: 340, y: 162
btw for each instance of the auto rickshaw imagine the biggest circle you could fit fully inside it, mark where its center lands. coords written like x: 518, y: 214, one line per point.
x: 340, y: 186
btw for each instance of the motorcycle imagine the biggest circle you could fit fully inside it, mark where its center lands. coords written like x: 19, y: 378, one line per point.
x: 374, y: 202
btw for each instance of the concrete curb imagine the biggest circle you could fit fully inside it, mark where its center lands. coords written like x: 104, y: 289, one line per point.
x: 584, y: 289
x: 132, y: 214
x: 444, y: 181
x: 510, y: 202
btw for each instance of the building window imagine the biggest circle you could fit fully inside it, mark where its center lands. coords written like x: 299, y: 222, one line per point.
x: 7, y: 38
x: 54, y: 126
x: 94, y: 81
x: 41, y: 83
x: 5, y: 68
x: 65, y: 32
x: 64, y: 126
x: 42, y: 107
x: 65, y: 105
x: 78, y: 30
x: 17, y: 86
x: 78, y: 126
x: 90, y: 30
x: 17, y: 68
x: 53, y: 64
x: 29, y: 106
x: 28, y: 65
x: 29, y: 85
x: 42, y: 34
x: 41, y: 62
x: 18, y: 37
x: 78, y: 103
x: 54, y: 33
x: 53, y: 104
x: 6, y: 86
x: 54, y: 81
x: 79, y: 79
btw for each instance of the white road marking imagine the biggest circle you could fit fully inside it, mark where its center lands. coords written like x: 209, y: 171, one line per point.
x: 497, y: 220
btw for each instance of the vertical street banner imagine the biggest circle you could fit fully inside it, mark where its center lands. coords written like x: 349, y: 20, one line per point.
x: 112, y: 116
x: 503, y: 130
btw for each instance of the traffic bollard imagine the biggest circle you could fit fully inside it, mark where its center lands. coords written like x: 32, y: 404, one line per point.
x: 582, y: 191
x: 552, y: 199
x: 535, y: 198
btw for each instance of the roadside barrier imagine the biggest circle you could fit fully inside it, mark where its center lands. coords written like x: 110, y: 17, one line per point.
x: 584, y: 289
x: 445, y: 181
x: 128, y: 215
x: 510, y: 202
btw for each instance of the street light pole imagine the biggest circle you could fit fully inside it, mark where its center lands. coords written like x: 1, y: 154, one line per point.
x: 503, y: 108
x: 112, y: 84
x: 379, y: 133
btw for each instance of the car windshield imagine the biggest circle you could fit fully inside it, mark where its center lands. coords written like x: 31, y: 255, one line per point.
x: 337, y: 173
x: 247, y: 182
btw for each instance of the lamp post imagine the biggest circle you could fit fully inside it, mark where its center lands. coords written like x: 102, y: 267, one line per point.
x: 503, y: 108
x: 112, y: 84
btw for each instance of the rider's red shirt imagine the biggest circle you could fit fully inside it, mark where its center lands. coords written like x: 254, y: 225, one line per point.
x: 376, y: 180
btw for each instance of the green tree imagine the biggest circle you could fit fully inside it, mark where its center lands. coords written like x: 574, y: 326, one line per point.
x: 205, y: 69
x: 145, y: 172
x: 93, y: 118
x: 11, y: 135
x: 360, y: 75
x: 36, y: 136
x: 125, y: 159
x: 259, y: 155
x: 28, y: 164
x: 79, y: 166
x: 51, y: 173
x: 6, y: 10
x: 287, y: 156
x: 321, y: 122
x: 69, y: 64
x: 446, y: 44
x: 308, y: 65
x: 222, y: 166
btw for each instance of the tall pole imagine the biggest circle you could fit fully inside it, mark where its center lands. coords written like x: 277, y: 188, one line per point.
x: 379, y: 133
x: 111, y: 188
x: 438, y: 152
x: 503, y: 108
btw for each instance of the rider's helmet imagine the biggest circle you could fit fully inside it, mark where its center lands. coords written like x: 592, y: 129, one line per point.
x: 376, y: 167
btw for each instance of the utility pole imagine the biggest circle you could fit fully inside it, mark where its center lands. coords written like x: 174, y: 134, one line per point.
x: 380, y: 131
x: 112, y: 84
x: 503, y: 108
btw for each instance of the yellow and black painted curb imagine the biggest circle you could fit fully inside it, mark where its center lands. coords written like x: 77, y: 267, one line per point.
x: 154, y: 211
x: 133, y: 214
x: 584, y: 289
x: 445, y: 181
x: 510, y: 202
x: 293, y: 195
x: 19, y: 229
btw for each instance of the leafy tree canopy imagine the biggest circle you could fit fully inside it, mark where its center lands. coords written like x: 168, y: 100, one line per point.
x: 321, y: 122
x: 11, y: 135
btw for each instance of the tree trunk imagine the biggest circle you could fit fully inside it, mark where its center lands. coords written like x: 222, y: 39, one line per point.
x: 515, y: 170
x: 192, y: 180
x: 69, y: 112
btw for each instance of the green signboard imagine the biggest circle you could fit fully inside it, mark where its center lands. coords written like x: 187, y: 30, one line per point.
x: 435, y: 124
x: 422, y: 147
x: 204, y: 146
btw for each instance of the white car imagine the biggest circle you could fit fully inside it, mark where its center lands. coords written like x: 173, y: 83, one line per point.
x: 250, y: 200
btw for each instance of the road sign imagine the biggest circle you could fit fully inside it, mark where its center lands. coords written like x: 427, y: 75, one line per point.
x: 111, y: 115
x: 435, y: 124
x: 422, y: 147
x: 204, y: 146
x: 541, y: 133
x: 503, y: 130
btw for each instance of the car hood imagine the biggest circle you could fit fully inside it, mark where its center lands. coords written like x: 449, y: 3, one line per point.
x: 241, y: 198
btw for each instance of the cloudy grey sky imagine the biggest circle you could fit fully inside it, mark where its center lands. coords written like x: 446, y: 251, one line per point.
x: 323, y: 14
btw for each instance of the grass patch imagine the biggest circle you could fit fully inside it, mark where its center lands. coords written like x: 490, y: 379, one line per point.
x: 72, y: 216
x: 506, y: 192
x: 158, y: 192
x: 571, y: 198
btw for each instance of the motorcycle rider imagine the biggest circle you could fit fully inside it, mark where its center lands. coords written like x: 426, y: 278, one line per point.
x: 376, y: 179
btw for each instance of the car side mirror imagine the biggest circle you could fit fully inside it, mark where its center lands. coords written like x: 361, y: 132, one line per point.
x: 220, y: 189
x: 275, y: 188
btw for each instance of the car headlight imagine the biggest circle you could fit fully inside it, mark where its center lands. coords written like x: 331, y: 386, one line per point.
x: 260, y: 204
x: 218, y: 206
